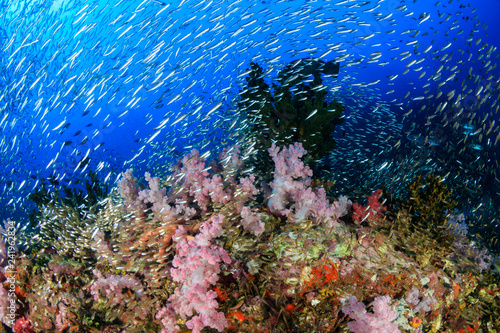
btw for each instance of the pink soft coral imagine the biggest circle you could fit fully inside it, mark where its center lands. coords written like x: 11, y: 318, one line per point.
x: 292, y: 195
x: 251, y: 221
x: 194, y: 181
x: 194, y: 178
x: 379, y: 321
x: 196, y: 266
x: 130, y: 193
x: 290, y: 176
x: 111, y: 286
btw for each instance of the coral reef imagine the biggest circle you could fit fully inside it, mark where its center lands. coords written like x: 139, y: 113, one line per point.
x: 199, y: 251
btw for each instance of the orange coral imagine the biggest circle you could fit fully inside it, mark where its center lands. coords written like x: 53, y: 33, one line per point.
x: 238, y: 315
x: 221, y: 294
x: 415, y: 322
x: 322, y: 274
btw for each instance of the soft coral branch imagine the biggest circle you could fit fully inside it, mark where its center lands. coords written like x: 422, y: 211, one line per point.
x: 196, y: 266
x: 292, y: 194
x: 372, y: 212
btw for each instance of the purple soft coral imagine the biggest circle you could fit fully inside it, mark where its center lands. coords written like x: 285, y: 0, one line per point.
x: 379, y: 321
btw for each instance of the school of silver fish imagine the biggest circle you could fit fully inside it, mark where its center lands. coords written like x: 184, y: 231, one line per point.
x: 81, y: 80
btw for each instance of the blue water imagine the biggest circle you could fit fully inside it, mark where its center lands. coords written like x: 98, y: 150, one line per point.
x: 115, y: 70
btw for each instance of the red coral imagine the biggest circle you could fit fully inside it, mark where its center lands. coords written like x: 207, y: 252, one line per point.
x: 23, y: 326
x: 372, y: 213
x: 322, y: 274
x: 221, y: 294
